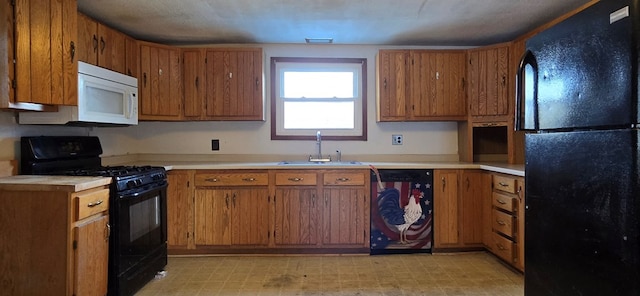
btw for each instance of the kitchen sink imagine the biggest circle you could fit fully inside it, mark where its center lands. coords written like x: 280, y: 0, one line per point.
x: 319, y: 163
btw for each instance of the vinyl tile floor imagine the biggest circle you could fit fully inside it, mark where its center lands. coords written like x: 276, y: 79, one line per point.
x: 475, y: 273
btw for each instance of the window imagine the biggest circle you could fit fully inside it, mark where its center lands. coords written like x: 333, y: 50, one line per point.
x: 318, y: 94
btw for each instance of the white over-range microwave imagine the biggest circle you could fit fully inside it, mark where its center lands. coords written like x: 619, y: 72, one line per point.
x: 105, y: 97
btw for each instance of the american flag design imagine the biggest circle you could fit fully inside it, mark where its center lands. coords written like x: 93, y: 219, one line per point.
x: 387, y: 215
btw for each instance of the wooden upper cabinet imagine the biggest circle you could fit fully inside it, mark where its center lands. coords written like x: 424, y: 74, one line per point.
x: 392, y: 90
x: 234, y: 84
x: 46, y: 69
x: 421, y: 85
x: 489, y: 81
x: 132, y: 57
x: 193, y: 77
x: 437, y: 85
x: 101, y: 45
x: 159, y: 82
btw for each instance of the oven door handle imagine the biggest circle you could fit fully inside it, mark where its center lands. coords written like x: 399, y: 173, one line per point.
x: 135, y: 194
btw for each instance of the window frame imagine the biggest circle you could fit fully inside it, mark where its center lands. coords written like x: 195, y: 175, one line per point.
x: 275, y: 82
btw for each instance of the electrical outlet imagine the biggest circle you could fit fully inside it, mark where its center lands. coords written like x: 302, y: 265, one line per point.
x: 215, y: 145
x: 396, y: 139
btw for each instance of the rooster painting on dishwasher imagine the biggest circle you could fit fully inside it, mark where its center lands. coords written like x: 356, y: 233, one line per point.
x: 401, y: 215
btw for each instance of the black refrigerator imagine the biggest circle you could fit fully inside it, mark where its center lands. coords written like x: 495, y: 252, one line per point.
x: 578, y: 87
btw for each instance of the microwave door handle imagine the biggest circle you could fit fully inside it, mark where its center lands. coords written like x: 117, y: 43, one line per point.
x: 527, y: 59
x: 130, y: 106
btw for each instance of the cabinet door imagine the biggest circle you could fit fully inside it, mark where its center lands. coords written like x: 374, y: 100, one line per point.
x: 132, y: 57
x: 393, y: 81
x: 91, y: 257
x: 234, y: 84
x: 344, y: 216
x: 489, y: 85
x: 212, y: 217
x: 179, y: 202
x: 296, y: 216
x: 437, y: 79
x: 471, y: 205
x: 250, y: 216
x: 87, y: 49
x: 161, y: 87
x: 445, y: 209
x: 193, y: 73
x: 46, y: 60
x: 111, y: 49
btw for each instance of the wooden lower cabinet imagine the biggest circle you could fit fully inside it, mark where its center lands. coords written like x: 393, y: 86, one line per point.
x: 506, y: 239
x: 231, y: 208
x: 55, y: 241
x: 218, y: 211
x: 458, y: 208
x: 179, y: 209
x: 345, y: 217
x: 297, y: 209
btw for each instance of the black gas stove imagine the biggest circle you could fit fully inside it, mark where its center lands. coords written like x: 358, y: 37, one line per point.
x: 137, y: 204
x: 124, y: 177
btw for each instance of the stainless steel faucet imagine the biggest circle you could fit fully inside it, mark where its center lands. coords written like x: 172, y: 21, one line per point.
x: 319, y: 157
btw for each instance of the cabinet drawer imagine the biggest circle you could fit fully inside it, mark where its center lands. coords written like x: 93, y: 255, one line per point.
x: 296, y: 179
x: 90, y: 203
x: 503, y: 247
x: 504, y: 183
x: 232, y: 179
x: 505, y: 202
x: 344, y: 178
x: 504, y: 223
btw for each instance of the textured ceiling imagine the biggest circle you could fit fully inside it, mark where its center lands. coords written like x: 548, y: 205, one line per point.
x: 380, y: 22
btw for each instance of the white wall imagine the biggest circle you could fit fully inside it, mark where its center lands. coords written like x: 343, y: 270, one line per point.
x: 435, y: 138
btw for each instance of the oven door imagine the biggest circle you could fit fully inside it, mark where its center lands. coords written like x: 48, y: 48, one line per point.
x: 140, y: 225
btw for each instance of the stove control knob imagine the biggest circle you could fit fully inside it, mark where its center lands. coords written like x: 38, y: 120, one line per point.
x: 131, y: 184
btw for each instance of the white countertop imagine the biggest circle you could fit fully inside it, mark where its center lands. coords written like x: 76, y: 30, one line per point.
x: 511, y: 169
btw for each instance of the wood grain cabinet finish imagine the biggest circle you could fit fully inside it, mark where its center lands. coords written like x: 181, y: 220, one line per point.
x: 101, y: 45
x: 54, y: 242
x: 159, y: 82
x: 507, y: 219
x: 46, y: 45
x: 458, y: 208
x: 345, y: 214
x: 421, y: 85
x: 231, y: 208
x: 297, y: 209
x: 179, y: 209
x: 489, y: 81
x: 234, y: 88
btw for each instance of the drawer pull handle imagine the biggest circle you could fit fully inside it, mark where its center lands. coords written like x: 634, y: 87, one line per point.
x: 343, y: 179
x: 296, y: 179
x: 501, y: 222
x: 503, y: 184
x: 500, y: 247
x: 93, y: 204
x: 502, y: 202
x: 249, y: 179
x: 211, y: 179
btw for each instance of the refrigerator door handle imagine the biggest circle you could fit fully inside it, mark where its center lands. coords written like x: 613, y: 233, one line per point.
x: 527, y: 59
